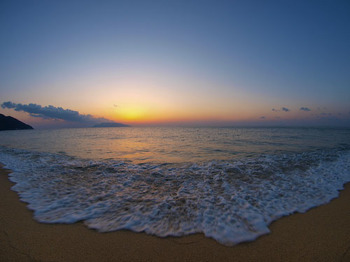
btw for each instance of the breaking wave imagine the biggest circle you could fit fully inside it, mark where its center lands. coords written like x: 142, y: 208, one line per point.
x: 230, y: 201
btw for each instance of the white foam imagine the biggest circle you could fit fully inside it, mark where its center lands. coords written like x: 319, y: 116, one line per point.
x: 230, y: 201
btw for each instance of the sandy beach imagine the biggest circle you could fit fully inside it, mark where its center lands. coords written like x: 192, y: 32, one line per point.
x: 321, y: 234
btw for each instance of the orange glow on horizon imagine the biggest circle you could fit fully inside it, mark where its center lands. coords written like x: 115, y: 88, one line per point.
x: 138, y: 115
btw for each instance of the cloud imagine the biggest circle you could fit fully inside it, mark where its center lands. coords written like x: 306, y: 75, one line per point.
x: 306, y: 109
x: 52, y: 112
x: 282, y: 109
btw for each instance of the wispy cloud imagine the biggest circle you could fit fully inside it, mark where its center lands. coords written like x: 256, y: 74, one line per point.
x: 52, y: 112
x: 306, y: 109
x: 284, y: 109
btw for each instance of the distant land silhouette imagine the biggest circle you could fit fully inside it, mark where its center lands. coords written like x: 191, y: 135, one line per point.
x: 110, y: 125
x: 11, y: 123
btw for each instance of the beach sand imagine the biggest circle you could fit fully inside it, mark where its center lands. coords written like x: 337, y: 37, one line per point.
x: 321, y: 234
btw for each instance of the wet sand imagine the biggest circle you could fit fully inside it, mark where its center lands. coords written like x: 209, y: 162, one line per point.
x: 321, y: 234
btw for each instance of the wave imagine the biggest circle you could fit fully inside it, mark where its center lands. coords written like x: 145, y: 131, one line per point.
x: 230, y: 201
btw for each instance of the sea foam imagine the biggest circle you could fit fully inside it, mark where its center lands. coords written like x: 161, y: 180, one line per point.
x: 230, y: 201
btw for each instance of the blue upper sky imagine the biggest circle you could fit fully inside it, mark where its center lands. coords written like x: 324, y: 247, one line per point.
x: 176, y: 62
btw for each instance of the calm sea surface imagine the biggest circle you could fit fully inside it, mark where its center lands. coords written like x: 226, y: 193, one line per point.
x: 228, y: 183
x: 175, y: 145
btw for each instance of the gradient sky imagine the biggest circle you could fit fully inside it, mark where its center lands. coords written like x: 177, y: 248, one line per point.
x: 178, y: 62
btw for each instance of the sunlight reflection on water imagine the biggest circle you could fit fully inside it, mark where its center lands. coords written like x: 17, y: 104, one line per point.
x: 173, y: 145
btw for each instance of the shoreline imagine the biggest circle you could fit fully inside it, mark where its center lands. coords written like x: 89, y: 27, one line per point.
x: 321, y: 234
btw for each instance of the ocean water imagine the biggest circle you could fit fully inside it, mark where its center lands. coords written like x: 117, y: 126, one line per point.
x: 228, y: 183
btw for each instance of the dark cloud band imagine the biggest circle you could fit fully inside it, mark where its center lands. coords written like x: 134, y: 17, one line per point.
x: 52, y: 112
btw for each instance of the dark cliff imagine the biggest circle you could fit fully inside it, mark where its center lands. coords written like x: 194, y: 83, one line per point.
x: 10, y: 123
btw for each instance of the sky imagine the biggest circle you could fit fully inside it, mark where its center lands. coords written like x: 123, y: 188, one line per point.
x: 195, y: 63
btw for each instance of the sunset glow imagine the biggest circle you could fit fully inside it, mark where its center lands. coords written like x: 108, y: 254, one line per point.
x: 162, y: 63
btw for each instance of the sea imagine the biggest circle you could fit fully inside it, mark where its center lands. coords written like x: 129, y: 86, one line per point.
x: 227, y: 183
